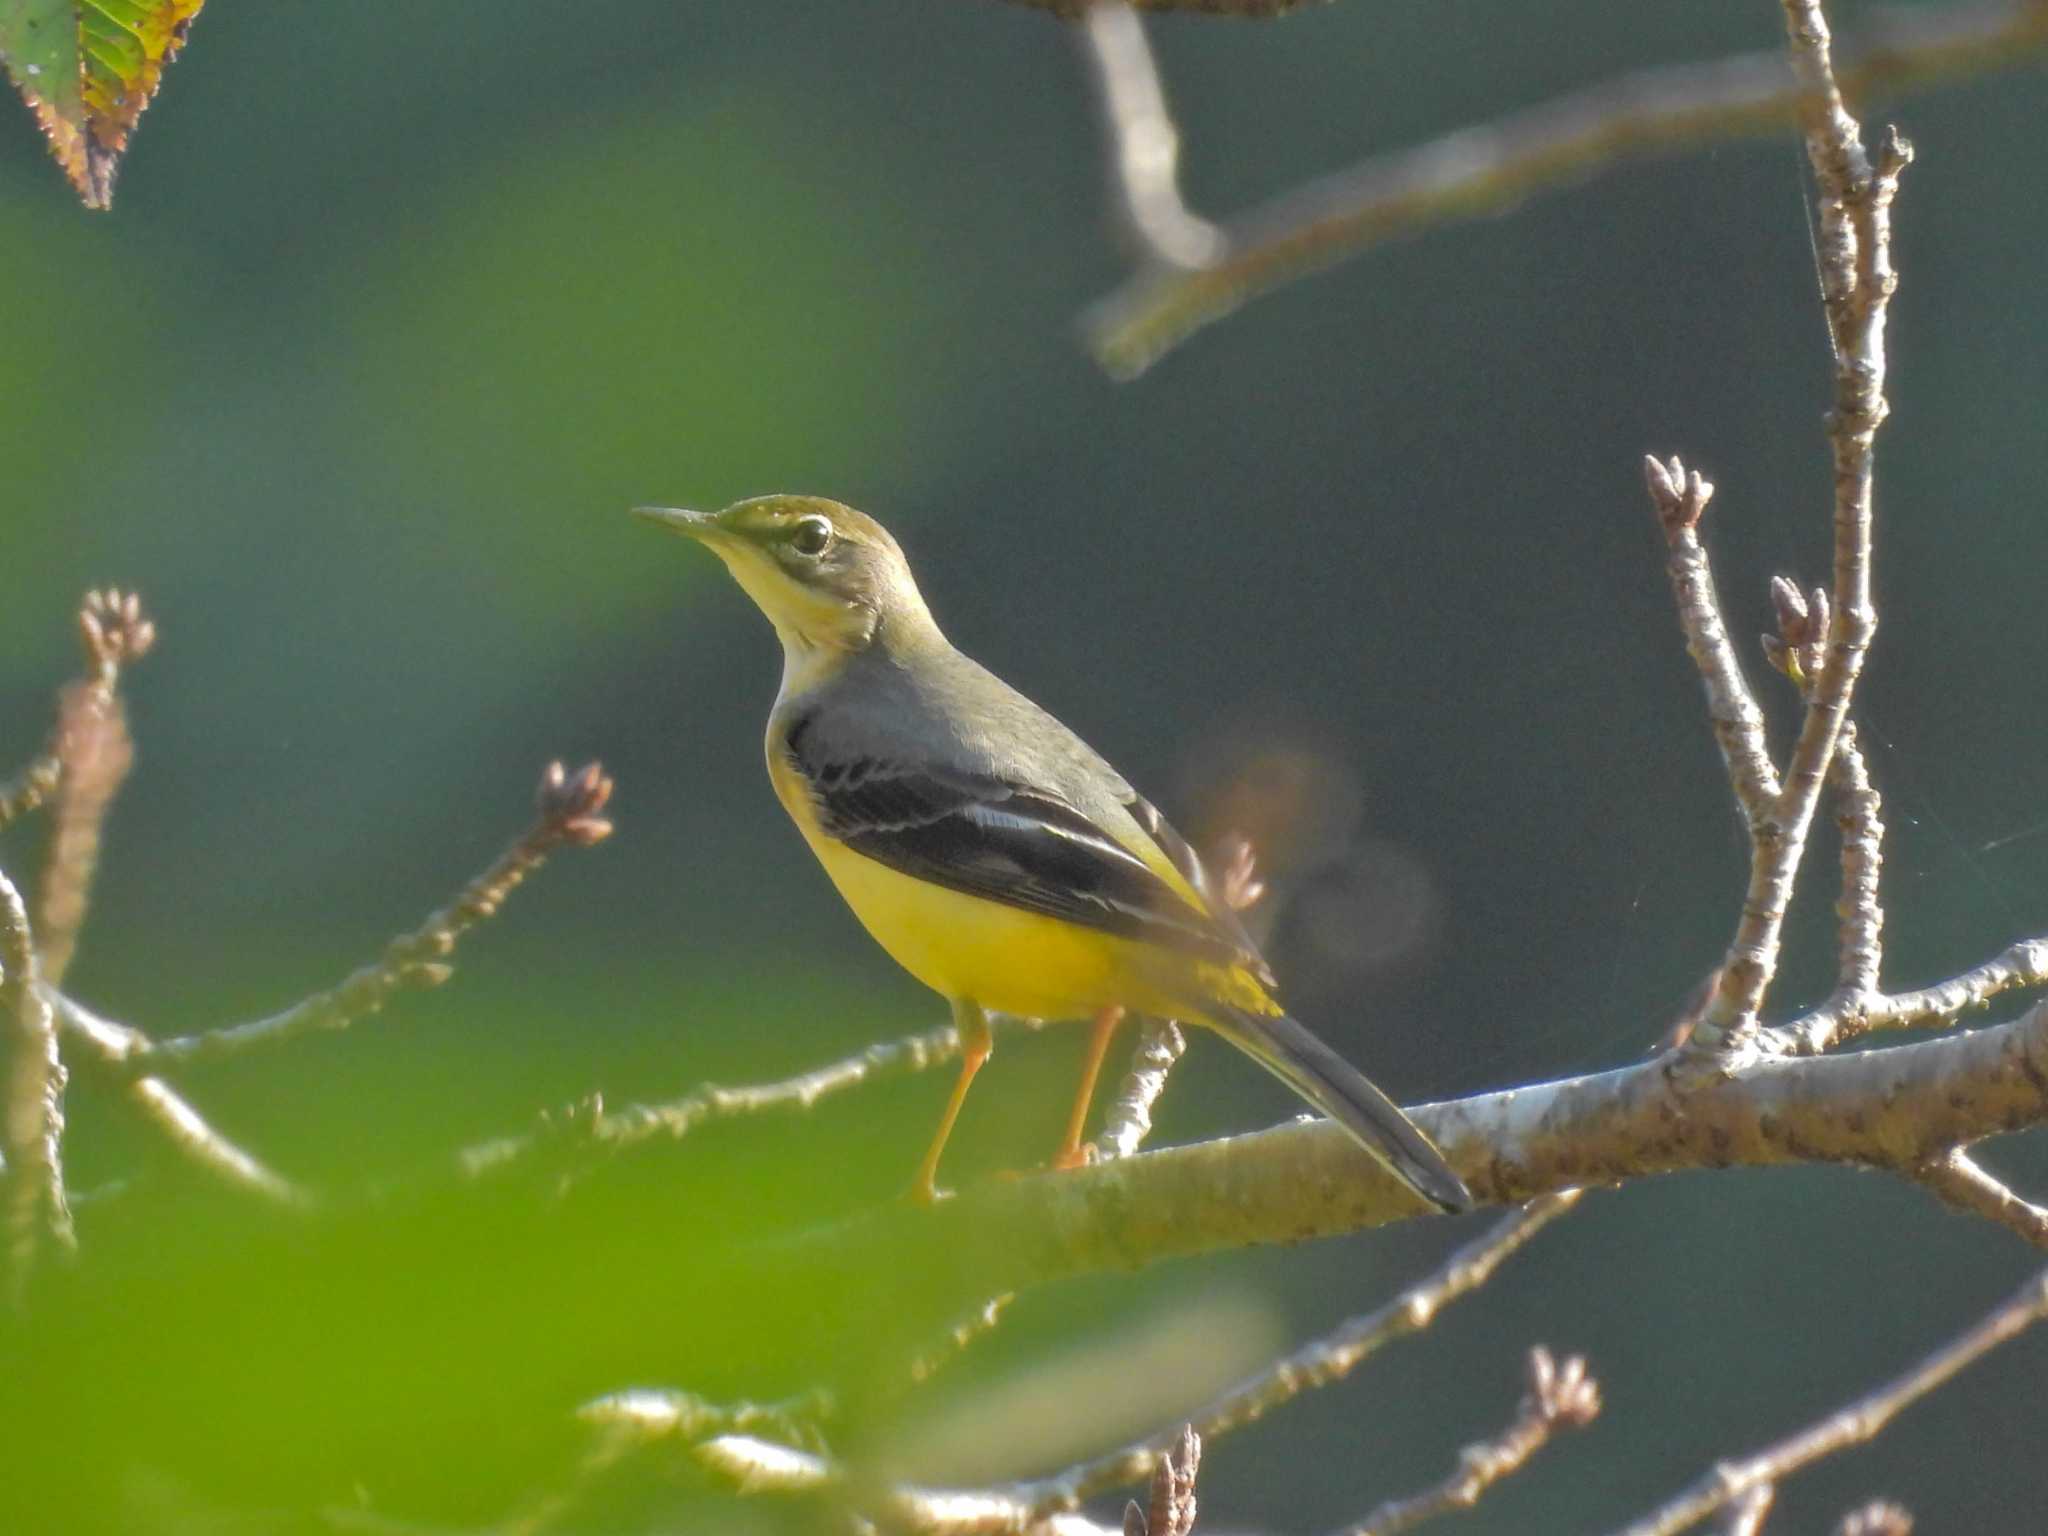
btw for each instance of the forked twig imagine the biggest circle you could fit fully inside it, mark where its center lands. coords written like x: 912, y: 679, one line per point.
x: 2023, y: 966
x: 1857, y: 283
x: 1327, y: 1359
x: 569, y: 811
x: 1558, y: 1397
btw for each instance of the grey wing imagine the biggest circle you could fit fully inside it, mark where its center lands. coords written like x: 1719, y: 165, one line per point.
x: 989, y: 836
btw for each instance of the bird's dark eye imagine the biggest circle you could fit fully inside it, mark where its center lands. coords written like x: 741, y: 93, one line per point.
x: 812, y: 536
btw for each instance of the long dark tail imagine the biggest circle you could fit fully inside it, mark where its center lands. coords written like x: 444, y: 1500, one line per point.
x: 1301, y: 1061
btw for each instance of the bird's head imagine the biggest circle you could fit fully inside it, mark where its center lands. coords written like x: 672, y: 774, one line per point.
x: 826, y: 575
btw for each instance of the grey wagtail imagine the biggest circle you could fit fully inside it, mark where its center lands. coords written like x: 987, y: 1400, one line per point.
x: 994, y: 855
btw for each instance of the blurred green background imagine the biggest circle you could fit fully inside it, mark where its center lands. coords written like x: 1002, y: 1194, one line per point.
x: 399, y: 308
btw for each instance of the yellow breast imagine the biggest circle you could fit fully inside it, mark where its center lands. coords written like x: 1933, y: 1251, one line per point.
x: 961, y: 946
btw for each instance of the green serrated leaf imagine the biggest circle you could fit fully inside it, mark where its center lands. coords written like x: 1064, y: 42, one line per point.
x: 39, y: 45
x: 87, y: 68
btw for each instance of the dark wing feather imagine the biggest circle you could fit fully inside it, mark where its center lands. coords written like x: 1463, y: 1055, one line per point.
x: 1004, y: 842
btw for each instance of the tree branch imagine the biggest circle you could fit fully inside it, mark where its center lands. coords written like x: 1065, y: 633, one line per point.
x: 1892, y: 1109
x: 1860, y: 1421
x: 1488, y: 169
x: 1681, y: 500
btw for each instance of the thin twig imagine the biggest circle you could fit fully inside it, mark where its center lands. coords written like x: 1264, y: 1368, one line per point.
x: 30, y: 789
x: 1964, y: 1183
x: 1144, y: 145
x: 1857, y: 283
x: 1558, y: 1397
x: 112, y: 1045
x: 1799, y: 650
x: 114, y: 630
x: 189, y: 1131
x: 96, y: 752
x: 1854, y: 1424
x: 1160, y: 1042
x: 1327, y: 1359
x: 1680, y: 499
x: 591, y: 1129
x: 33, y: 1114
x: 1128, y: 1120
x: 1859, y: 817
x: 2023, y: 966
x: 1746, y: 1516
x: 568, y: 813
x: 1493, y: 167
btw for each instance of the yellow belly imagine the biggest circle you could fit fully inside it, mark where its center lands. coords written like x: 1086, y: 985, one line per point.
x: 1003, y: 957
x: 999, y: 956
